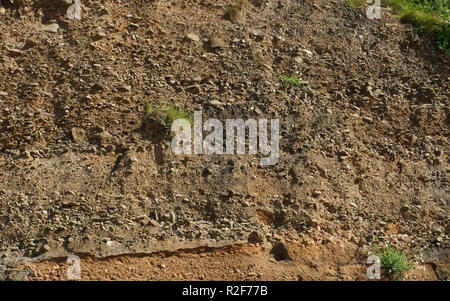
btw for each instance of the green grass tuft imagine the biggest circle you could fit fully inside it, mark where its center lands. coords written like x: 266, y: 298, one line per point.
x: 396, y: 262
x: 425, y: 21
x: 431, y: 17
x: 355, y: 4
x: 171, y: 113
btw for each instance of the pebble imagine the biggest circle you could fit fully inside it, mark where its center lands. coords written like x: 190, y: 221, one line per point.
x: 216, y: 103
x: 99, y: 35
x: 79, y: 135
x: 124, y: 88
x: 193, y: 37
x: 53, y: 28
x: 367, y: 119
x: 307, y: 52
x: 105, y: 137
x: 298, y: 59
x: 405, y: 208
x: 217, y: 42
x: 15, y: 52
x: 134, y: 26
x: 194, y: 89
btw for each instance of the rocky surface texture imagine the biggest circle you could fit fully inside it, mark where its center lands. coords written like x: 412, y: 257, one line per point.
x: 83, y: 169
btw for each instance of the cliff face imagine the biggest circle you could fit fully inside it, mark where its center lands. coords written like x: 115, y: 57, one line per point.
x: 84, y: 170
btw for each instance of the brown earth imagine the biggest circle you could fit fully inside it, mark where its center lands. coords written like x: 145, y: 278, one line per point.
x: 85, y: 171
x: 336, y: 260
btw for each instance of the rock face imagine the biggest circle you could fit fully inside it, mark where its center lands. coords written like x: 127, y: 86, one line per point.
x: 363, y: 136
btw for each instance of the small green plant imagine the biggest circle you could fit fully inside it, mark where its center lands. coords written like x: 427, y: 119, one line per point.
x: 443, y: 38
x: 394, y: 261
x: 426, y: 22
x: 290, y: 80
x: 173, y: 113
x: 147, y: 108
x: 354, y: 4
x: 170, y: 114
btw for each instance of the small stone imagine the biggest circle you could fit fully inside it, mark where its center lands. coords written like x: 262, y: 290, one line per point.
x: 154, y: 223
x: 51, y: 28
x: 105, y: 137
x: 377, y: 93
x: 14, y: 52
x: 298, y: 59
x: 330, y: 207
x: 99, y: 35
x: 215, y: 103
x: 194, y: 89
x: 97, y: 87
x: 197, y: 79
x: 217, y: 43
x: 2, y: 10
x: 79, y: 135
x: 141, y: 218
x: 368, y: 90
x: 405, y: 208
x: 343, y: 153
x: 31, y: 43
x: 124, y: 88
x: 173, y: 217
x: 267, y: 67
x: 437, y: 231
x: 193, y: 37
x: 307, y: 52
x: 45, y: 93
x: 3, y: 93
x: 282, y: 174
x: 134, y: 26
x: 367, y: 119
x: 316, y: 193
x: 313, y: 223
